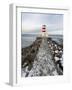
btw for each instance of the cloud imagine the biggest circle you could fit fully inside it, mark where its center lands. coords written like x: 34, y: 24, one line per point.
x: 32, y: 22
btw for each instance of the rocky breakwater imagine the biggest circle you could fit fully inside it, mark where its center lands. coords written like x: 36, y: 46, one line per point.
x: 57, y: 54
x: 43, y: 64
x: 42, y: 58
x: 28, y: 55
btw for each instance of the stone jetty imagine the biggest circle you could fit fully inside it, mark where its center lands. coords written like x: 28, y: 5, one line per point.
x: 42, y: 58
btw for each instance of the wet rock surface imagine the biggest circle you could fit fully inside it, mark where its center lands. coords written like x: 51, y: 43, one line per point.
x: 42, y: 58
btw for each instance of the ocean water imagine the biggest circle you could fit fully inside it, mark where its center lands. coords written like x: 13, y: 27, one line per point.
x: 28, y: 39
x: 57, y: 38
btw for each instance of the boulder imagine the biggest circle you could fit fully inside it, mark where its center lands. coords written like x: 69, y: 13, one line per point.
x: 56, y: 59
x: 56, y: 51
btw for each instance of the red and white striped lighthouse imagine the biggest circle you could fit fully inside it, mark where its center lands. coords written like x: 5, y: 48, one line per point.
x: 43, y: 28
x: 44, y: 31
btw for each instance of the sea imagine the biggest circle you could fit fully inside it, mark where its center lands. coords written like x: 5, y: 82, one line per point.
x: 28, y: 39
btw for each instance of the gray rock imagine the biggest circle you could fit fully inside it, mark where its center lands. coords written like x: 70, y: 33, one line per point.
x: 56, y: 58
x: 56, y: 51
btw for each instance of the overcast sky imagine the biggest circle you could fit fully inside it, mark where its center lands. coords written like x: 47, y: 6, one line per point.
x: 32, y: 23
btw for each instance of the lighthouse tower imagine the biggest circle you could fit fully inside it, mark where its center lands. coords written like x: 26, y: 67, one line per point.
x: 44, y: 32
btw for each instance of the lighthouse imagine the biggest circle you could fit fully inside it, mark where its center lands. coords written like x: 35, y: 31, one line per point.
x: 44, y: 32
